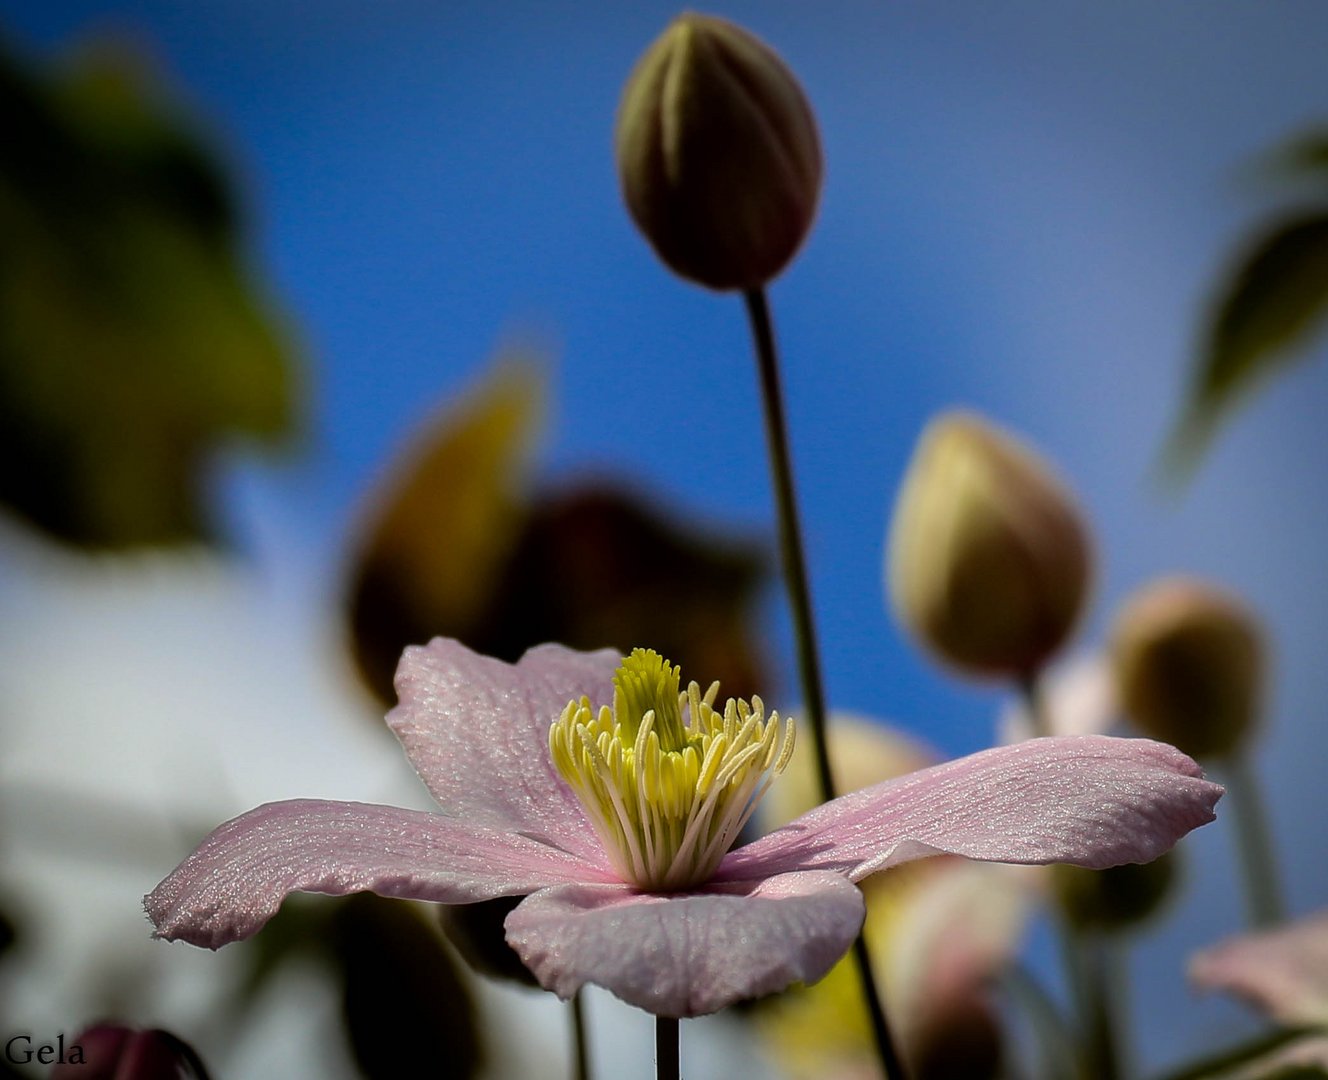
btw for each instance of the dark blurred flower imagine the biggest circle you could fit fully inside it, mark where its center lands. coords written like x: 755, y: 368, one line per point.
x: 455, y: 544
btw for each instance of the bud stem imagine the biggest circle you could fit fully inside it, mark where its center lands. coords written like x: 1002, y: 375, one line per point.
x: 580, y: 1051
x: 1093, y: 963
x: 1088, y: 954
x: 667, y: 1056
x: 1254, y: 843
x: 804, y: 631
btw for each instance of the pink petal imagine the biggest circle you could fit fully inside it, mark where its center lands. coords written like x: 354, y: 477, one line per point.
x: 687, y: 954
x: 236, y: 879
x: 477, y: 731
x: 1090, y: 800
x: 1283, y: 971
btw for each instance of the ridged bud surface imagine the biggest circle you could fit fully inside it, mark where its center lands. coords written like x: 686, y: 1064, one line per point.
x: 718, y: 154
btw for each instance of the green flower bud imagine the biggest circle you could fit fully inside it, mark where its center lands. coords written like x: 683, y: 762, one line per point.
x: 718, y: 154
x: 1189, y: 662
x: 1113, y: 899
x: 988, y: 561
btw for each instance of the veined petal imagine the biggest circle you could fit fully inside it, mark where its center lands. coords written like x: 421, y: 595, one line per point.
x: 1090, y: 800
x: 687, y: 954
x: 1282, y: 971
x: 236, y: 879
x: 477, y: 731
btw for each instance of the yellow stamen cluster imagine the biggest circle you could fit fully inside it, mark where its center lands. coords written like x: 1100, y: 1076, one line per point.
x: 668, y: 797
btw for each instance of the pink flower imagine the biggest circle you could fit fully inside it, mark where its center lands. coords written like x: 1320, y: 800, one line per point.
x: 628, y: 880
x: 1282, y: 971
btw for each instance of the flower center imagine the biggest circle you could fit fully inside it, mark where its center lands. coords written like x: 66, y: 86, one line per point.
x: 667, y: 797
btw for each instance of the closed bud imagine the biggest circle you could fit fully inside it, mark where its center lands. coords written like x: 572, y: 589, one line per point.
x: 718, y: 154
x: 116, y: 1052
x: 988, y: 561
x: 1113, y: 899
x: 1189, y: 663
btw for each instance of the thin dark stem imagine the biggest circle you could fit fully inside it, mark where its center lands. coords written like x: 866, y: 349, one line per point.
x: 1099, y: 1006
x: 1254, y: 843
x: 790, y: 534
x: 667, y: 1061
x: 804, y: 630
x: 580, y: 1051
x: 1033, y: 704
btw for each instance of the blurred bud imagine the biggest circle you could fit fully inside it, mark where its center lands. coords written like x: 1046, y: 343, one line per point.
x: 1189, y: 664
x: 115, y: 1052
x: 476, y: 932
x: 718, y: 154
x: 961, y: 1042
x: 1113, y: 899
x: 989, y: 561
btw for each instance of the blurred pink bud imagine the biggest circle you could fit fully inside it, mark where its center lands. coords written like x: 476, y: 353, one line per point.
x: 116, y: 1052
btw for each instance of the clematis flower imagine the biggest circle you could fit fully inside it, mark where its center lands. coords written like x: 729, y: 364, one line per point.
x: 1283, y: 971
x: 615, y: 821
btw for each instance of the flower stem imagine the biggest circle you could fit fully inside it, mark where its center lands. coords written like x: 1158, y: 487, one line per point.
x: 1254, y: 843
x: 581, y: 1053
x: 1049, y: 1024
x: 809, y: 670
x: 1029, y: 687
x: 1089, y: 963
x: 667, y: 1058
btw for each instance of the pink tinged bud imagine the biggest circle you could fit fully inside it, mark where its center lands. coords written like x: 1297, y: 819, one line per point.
x: 1189, y: 661
x: 989, y: 559
x: 115, y: 1052
x: 718, y: 154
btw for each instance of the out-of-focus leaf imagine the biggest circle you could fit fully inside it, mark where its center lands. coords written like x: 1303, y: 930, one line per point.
x: 445, y: 524
x: 132, y: 337
x: 407, y: 1011
x: 1302, y: 156
x: 1276, y: 297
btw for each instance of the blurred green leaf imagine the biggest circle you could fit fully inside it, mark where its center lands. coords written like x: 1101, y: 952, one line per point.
x: 1274, y: 300
x: 407, y: 1011
x: 133, y: 340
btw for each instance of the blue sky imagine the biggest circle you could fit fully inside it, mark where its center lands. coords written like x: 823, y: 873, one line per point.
x: 1025, y: 209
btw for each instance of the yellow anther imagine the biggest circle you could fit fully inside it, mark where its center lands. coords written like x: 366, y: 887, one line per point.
x: 667, y: 797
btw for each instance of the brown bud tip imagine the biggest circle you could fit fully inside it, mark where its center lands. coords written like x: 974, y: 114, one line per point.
x: 988, y: 561
x: 1189, y: 662
x: 718, y: 154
